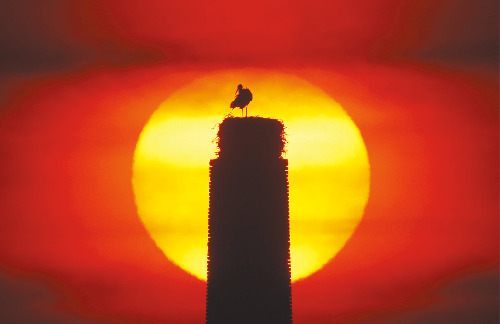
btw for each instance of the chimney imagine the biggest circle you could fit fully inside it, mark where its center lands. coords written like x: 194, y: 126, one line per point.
x: 249, y: 236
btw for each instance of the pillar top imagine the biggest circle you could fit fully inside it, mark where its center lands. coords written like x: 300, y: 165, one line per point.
x: 252, y: 138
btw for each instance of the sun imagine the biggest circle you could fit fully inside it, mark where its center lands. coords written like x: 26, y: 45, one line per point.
x: 329, y: 173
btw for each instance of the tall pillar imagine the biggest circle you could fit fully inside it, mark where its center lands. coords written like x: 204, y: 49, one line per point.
x: 249, y: 236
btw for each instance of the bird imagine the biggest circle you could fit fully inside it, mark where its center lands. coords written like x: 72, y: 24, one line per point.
x: 243, y: 96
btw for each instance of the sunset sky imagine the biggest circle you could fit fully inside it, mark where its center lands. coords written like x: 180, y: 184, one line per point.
x: 80, y: 79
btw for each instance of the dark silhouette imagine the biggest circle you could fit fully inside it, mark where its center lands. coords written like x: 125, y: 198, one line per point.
x: 242, y: 98
x: 249, y: 236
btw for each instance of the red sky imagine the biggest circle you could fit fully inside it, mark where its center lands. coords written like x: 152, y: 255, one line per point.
x: 80, y: 80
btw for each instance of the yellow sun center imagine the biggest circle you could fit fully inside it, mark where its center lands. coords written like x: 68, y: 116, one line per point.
x: 328, y: 167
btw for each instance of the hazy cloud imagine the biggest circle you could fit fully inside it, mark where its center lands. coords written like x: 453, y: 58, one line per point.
x: 470, y: 299
x: 28, y: 301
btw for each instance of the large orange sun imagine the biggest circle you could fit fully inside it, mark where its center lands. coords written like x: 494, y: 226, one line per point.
x: 328, y: 166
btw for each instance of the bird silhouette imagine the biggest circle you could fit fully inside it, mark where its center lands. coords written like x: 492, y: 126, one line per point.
x: 242, y: 98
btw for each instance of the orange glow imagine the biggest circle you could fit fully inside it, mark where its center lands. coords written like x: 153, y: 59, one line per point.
x: 328, y: 166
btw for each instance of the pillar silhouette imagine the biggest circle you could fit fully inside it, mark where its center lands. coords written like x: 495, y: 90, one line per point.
x: 249, y: 236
